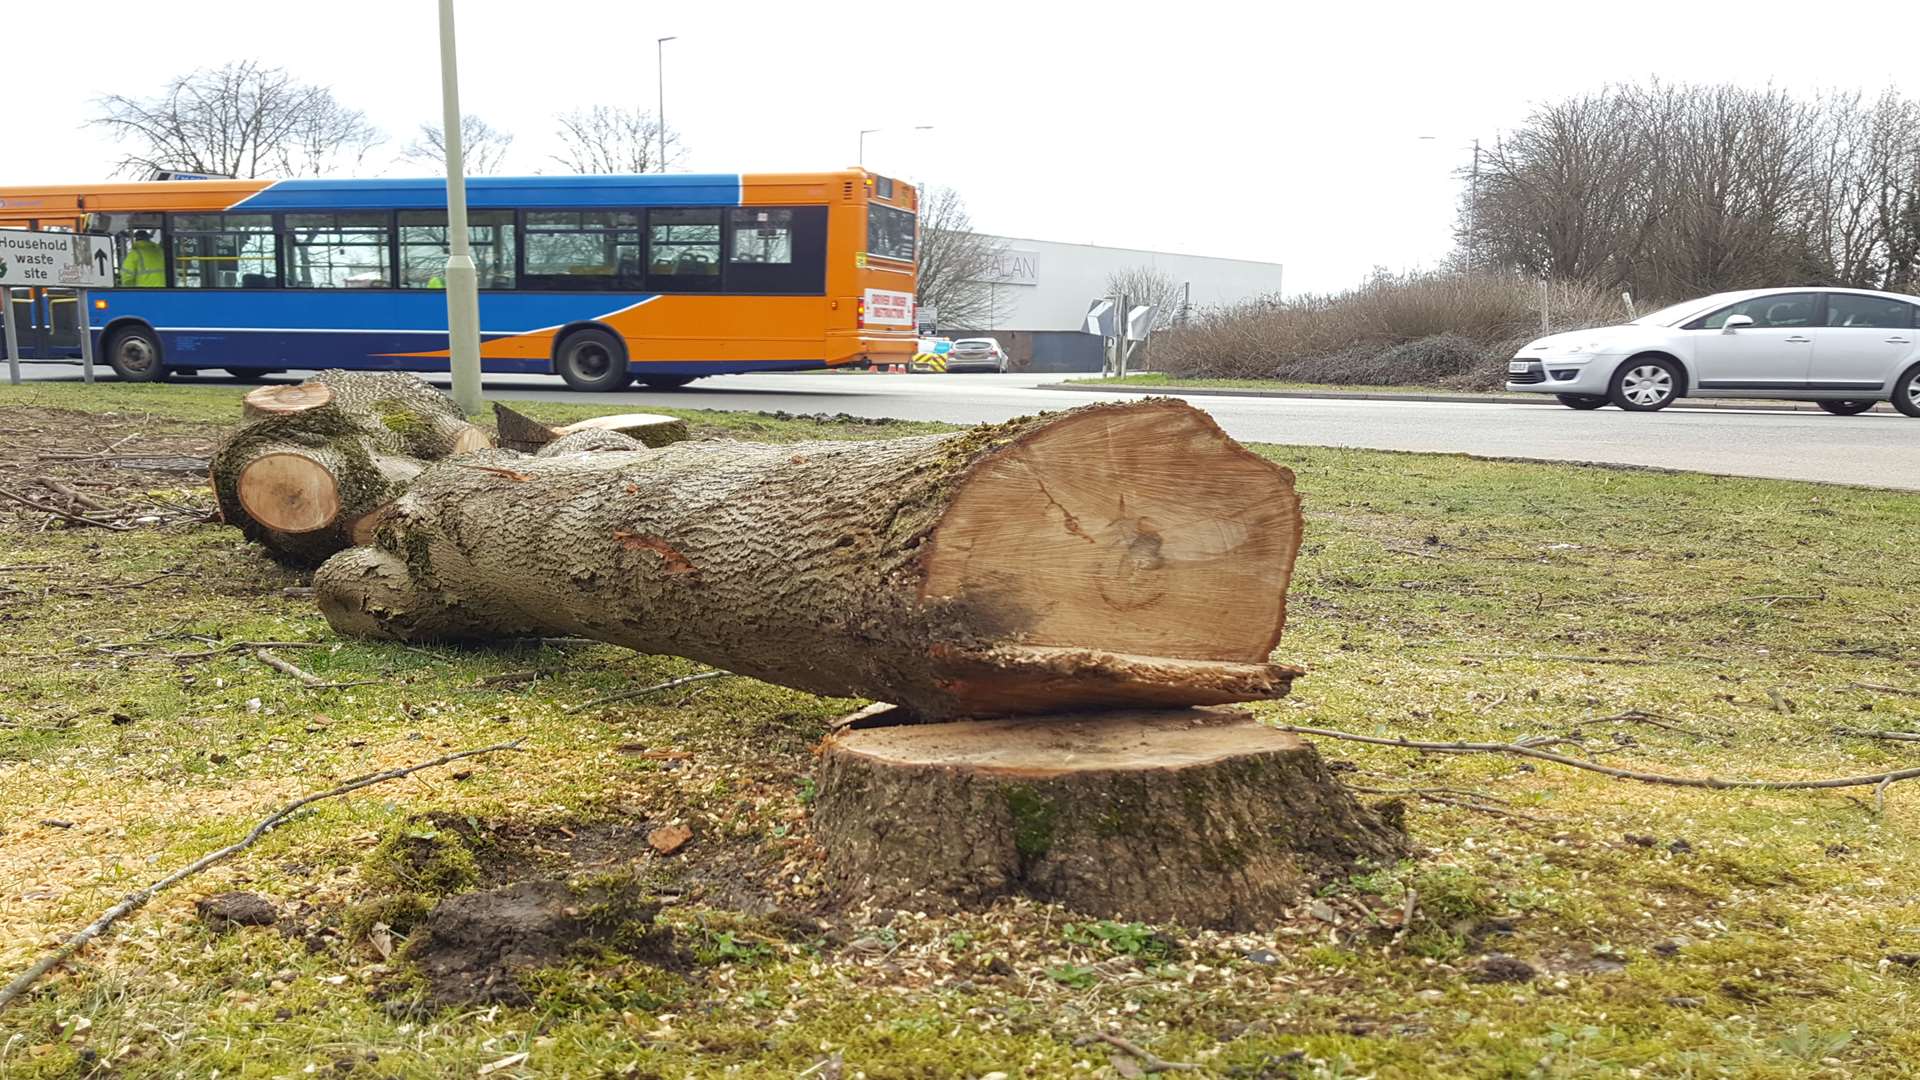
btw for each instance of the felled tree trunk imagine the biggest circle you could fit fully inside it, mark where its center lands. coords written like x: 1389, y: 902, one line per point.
x: 1108, y: 556
x: 317, y: 458
x: 1198, y: 816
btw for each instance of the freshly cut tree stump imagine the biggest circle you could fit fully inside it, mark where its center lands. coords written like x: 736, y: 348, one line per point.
x: 1112, y: 555
x: 317, y: 459
x: 1199, y: 816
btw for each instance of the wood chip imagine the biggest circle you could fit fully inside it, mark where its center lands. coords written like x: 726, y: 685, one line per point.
x: 668, y: 839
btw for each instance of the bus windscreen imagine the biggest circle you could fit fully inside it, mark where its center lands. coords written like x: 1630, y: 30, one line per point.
x: 889, y: 233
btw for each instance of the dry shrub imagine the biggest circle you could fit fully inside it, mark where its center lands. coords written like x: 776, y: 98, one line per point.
x: 1416, y: 329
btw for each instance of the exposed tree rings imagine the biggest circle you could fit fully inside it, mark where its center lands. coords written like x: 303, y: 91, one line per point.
x: 288, y: 398
x: 289, y: 492
x: 471, y: 437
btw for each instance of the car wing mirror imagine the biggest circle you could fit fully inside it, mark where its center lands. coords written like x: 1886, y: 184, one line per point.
x: 1735, y: 322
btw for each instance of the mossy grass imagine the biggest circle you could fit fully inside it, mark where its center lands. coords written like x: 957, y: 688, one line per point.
x: 1674, y: 932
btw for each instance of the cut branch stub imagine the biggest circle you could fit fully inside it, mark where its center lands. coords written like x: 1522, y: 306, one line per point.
x: 519, y: 431
x: 1197, y: 816
x: 1108, y: 556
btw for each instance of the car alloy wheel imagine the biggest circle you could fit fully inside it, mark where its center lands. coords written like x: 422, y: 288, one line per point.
x: 1645, y: 385
x: 1906, y: 392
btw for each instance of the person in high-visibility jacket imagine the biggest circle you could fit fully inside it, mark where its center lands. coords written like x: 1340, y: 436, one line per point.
x: 145, y: 266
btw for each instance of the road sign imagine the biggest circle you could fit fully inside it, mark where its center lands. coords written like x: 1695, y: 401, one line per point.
x: 55, y: 259
x: 927, y: 319
x: 1140, y: 322
x: 1100, y: 318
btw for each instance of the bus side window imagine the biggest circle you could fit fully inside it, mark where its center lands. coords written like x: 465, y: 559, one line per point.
x: 225, y: 251
x: 777, y: 250
x: 423, y: 248
x: 136, y: 244
x: 683, y: 250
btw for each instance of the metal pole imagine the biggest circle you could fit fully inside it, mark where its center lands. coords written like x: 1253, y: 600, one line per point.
x: 463, y: 285
x: 1473, y: 205
x: 13, y: 339
x: 660, y: 114
x: 86, y: 337
x: 861, y: 160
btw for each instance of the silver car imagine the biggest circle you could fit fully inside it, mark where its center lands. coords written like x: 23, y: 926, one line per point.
x: 978, y: 354
x: 1843, y: 349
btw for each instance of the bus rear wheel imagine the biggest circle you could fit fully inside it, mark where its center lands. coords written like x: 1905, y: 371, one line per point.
x: 134, y: 355
x: 592, y: 360
x: 664, y: 382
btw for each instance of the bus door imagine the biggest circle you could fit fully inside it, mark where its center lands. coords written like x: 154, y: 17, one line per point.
x: 46, y: 321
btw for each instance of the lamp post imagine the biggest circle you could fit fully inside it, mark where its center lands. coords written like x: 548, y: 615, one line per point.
x: 660, y: 113
x: 1473, y: 199
x: 463, y: 288
x: 864, y: 132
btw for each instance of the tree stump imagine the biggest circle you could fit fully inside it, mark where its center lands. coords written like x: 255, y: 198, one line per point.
x: 1202, y: 816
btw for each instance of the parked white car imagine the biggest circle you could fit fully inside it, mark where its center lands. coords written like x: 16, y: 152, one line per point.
x: 1845, y: 349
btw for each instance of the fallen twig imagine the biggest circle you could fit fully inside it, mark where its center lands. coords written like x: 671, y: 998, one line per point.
x: 1147, y: 1059
x: 307, y: 678
x: 1433, y: 795
x: 1771, y: 598
x: 135, y: 901
x: 67, y: 514
x: 627, y: 694
x: 1891, y: 736
x: 1652, y: 719
x: 1882, y: 688
x: 1522, y: 750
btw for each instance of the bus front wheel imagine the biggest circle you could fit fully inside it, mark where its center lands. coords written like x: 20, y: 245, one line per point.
x: 134, y: 355
x: 592, y: 360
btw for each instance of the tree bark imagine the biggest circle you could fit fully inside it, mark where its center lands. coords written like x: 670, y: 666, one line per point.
x: 1197, y: 816
x: 1112, y: 555
x: 316, y: 459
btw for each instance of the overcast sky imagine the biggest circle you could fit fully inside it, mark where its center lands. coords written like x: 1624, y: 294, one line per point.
x: 1274, y: 131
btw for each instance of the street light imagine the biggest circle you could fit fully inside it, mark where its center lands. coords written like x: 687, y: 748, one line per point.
x: 1473, y: 199
x: 463, y: 289
x: 864, y: 132
x: 660, y: 114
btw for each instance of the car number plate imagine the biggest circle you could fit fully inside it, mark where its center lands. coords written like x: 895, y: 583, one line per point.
x: 1518, y: 367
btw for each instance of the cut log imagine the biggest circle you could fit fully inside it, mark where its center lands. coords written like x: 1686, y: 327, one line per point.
x: 1112, y: 555
x: 1198, y: 816
x: 285, y: 398
x: 519, y: 431
x: 649, y: 428
x: 318, y: 458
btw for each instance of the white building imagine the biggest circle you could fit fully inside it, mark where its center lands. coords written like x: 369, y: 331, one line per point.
x: 1041, y: 289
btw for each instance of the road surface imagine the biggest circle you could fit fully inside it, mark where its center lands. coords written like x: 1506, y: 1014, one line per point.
x: 1880, y: 448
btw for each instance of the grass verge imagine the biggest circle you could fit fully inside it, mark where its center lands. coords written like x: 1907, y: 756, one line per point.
x: 1663, y: 932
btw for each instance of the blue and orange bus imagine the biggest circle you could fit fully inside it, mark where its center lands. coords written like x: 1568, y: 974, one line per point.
x: 602, y: 280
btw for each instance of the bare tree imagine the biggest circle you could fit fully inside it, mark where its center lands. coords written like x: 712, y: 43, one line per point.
x: 610, y: 139
x: 240, y: 119
x: 1148, y: 285
x: 483, y: 147
x: 957, y: 265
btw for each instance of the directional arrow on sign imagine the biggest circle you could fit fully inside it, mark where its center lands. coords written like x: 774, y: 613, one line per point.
x: 100, y: 260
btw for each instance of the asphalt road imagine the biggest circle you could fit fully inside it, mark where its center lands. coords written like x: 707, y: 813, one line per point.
x: 1880, y: 448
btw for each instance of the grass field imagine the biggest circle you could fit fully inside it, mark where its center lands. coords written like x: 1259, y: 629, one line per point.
x: 1671, y: 623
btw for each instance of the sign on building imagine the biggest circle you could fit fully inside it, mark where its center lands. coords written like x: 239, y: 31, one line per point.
x: 1014, y: 268
x: 56, y: 259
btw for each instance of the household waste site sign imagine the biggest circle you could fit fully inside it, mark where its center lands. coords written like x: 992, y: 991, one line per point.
x: 55, y: 260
